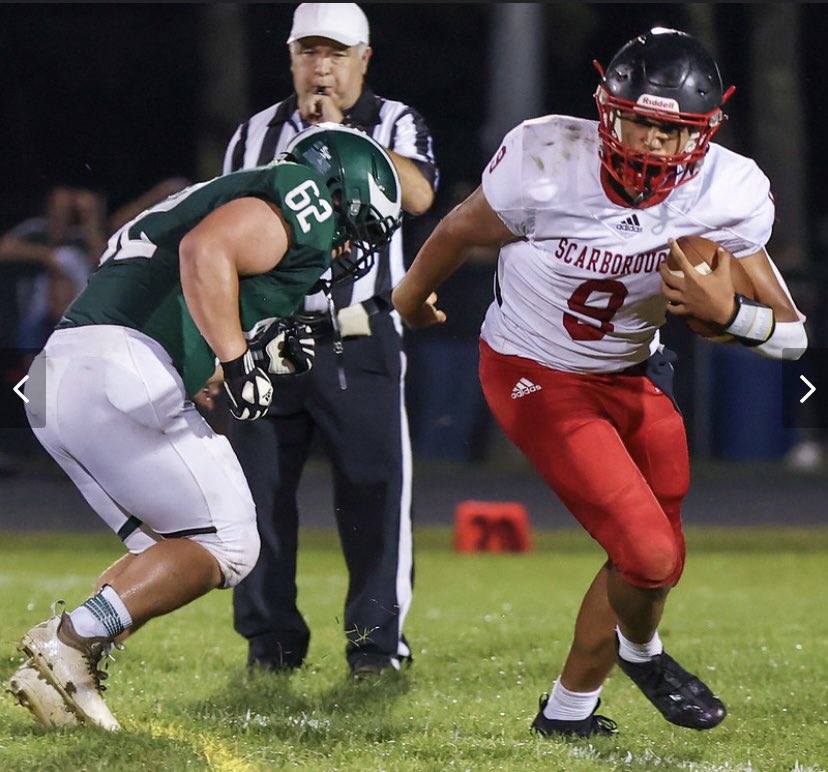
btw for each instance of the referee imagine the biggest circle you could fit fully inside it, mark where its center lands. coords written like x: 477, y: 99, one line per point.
x: 354, y: 399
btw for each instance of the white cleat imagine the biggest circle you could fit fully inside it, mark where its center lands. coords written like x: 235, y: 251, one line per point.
x: 40, y: 698
x: 70, y: 664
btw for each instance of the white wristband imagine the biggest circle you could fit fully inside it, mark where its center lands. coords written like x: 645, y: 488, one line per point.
x: 753, y: 322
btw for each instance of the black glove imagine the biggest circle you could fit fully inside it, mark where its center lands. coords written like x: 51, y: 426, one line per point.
x: 284, y: 347
x: 248, y: 387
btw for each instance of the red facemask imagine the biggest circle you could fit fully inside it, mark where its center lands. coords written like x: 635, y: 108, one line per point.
x: 650, y: 174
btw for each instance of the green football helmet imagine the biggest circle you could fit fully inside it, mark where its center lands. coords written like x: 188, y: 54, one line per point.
x: 364, y: 186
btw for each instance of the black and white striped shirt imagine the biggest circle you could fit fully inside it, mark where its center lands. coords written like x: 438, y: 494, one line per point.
x: 394, y: 125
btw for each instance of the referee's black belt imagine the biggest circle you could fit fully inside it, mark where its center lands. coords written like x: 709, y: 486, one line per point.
x: 353, y: 319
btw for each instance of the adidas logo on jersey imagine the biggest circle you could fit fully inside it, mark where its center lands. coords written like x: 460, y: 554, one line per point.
x: 523, y: 387
x: 630, y: 224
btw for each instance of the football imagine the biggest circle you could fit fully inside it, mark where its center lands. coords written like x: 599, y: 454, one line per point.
x: 701, y: 252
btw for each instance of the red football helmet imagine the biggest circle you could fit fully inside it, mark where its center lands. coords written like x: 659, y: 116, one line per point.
x: 664, y: 76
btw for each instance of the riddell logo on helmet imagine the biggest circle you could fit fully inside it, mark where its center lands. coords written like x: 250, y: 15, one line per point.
x: 658, y: 103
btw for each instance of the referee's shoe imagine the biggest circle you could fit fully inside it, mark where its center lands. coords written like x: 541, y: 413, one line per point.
x: 681, y: 697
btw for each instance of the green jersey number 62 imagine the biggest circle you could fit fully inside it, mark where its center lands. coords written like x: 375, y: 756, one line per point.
x: 305, y: 201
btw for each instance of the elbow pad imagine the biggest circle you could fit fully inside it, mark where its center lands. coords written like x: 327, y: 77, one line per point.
x: 788, y: 341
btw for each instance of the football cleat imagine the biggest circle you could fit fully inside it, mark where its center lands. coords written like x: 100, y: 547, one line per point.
x: 70, y: 664
x: 591, y: 726
x: 367, y: 673
x: 40, y: 698
x: 681, y: 697
x: 370, y: 669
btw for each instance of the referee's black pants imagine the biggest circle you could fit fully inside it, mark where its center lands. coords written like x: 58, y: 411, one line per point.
x: 364, y: 429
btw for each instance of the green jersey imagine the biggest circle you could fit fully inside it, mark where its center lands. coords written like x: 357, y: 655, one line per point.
x: 138, y: 281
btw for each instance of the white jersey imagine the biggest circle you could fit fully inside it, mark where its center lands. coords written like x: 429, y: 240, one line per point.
x: 580, y: 290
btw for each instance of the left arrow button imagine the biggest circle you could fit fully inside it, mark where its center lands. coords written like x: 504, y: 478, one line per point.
x: 19, y: 393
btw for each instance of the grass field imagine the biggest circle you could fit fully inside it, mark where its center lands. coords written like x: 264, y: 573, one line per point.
x: 489, y: 634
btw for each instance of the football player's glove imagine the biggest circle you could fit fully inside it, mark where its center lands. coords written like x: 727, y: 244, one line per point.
x: 248, y: 387
x: 284, y: 347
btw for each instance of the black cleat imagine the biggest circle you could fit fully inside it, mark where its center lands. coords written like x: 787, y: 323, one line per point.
x: 591, y: 726
x: 372, y: 667
x: 682, y: 697
x: 369, y: 672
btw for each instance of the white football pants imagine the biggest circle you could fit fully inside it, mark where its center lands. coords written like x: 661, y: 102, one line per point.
x: 117, y: 420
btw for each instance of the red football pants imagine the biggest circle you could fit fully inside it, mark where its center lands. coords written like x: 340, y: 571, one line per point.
x: 612, y: 447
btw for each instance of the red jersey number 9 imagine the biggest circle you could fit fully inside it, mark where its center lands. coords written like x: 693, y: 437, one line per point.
x: 580, y: 330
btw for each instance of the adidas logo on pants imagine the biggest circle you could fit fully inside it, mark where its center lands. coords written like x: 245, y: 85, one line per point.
x: 523, y: 387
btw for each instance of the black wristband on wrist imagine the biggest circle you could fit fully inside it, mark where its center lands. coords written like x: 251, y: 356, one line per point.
x: 238, y: 367
x: 736, y: 308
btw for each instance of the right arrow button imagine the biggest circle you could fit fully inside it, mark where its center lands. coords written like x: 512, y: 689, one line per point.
x: 811, y: 388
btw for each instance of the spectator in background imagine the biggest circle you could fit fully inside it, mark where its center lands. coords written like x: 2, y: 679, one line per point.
x: 354, y: 397
x: 62, y: 244
x: 46, y: 260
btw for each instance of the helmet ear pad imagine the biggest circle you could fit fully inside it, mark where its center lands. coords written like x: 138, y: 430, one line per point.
x: 663, y: 76
x: 340, y: 228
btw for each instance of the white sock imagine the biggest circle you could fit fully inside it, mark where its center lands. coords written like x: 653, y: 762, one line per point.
x: 638, y: 652
x: 102, y: 616
x: 564, y: 705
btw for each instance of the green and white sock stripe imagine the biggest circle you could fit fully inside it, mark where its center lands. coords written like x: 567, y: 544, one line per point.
x: 110, y: 611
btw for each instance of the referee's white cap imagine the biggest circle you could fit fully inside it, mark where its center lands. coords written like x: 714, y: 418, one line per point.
x: 343, y: 22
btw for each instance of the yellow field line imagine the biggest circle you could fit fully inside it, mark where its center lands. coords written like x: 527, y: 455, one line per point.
x: 218, y: 756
